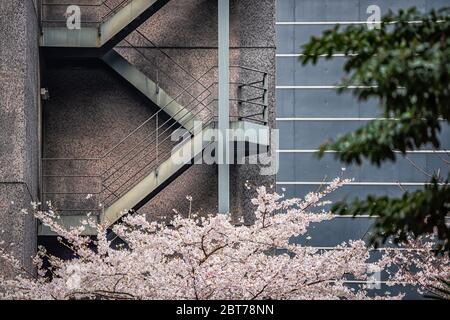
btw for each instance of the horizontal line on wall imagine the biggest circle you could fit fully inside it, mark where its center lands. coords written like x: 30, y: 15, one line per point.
x: 373, y: 249
x: 363, y: 217
x: 307, y: 23
x: 312, y: 23
x: 337, y: 119
x: 332, y: 151
x: 328, y: 119
x: 372, y: 282
x: 20, y: 183
x: 194, y: 47
x: 318, y: 183
x: 352, y: 217
x: 293, y: 55
x: 325, y: 87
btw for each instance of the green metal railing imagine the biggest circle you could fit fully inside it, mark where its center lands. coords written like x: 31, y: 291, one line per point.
x: 143, y: 150
x: 110, y: 7
x: 93, y: 184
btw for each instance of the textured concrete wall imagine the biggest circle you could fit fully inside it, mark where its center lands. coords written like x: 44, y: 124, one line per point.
x: 19, y: 138
x: 91, y: 108
x: 90, y: 111
x: 187, y: 31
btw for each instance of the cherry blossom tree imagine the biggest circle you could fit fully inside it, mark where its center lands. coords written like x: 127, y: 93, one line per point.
x: 212, y: 257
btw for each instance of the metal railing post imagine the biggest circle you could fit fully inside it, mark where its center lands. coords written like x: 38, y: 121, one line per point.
x: 239, y: 101
x: 41, y: 180
x: 157, y: 137
x: 39, y: 12
x: 266, y: 99
x: 157, y: 79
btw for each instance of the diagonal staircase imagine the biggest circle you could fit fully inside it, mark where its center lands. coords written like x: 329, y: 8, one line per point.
x: 142, y: 164
x: 149, y: 88
x: 149, y: 183
x: 169, y: 170
x: 99, y: 37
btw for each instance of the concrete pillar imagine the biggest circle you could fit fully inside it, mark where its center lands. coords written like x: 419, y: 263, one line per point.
x: 19, y: 127
x: 224, y: 105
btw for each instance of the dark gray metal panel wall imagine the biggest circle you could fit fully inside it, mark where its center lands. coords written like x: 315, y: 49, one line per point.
x: 309, y: 112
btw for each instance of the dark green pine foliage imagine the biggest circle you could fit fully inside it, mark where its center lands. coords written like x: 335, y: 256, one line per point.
x: 405, y: 65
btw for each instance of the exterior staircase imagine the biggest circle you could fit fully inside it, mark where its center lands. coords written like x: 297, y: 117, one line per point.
x: 149, y: 88
x: 148, y: 185
x: 169, y: 170
x: 97, y: 38
x: 142, y: 164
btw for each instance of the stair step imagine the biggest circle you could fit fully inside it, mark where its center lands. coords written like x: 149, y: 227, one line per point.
x: 139, y: 194
x: 149, y: 88
x: 109, y: 33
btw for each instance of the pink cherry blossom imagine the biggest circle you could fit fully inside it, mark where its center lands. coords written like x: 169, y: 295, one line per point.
x: 210, y: 257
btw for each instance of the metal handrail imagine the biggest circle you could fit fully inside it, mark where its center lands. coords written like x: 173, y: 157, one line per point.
x: 170, y: 102
x: 157, y: 134
x: 150, y: 118
x: 112, y: 10
x: 142, y: 156
x: 116, y: 192
x: 162, y: 132
x: 162, y: 109
x: 191, y: 118
x: 156, y: 137
x: 158, y: 69
x: 154, y: 46
x: 164, y: 158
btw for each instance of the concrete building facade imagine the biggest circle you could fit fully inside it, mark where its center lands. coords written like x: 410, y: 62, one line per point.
x: 309, y: 112
x: 70, y: 113
x: 99, y: 129
x: 19, y: 126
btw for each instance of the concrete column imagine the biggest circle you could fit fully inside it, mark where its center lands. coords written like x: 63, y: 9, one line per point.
x: 19, y: 128
x: 224, y: 105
